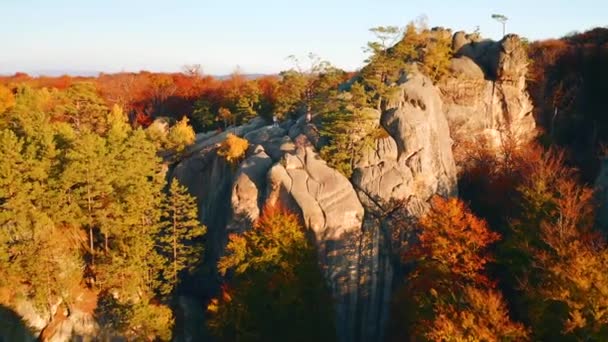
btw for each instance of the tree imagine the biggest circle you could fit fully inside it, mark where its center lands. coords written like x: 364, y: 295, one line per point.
x: 88, y: 183
x: 289, y: 94
x: 276, y: 279
x: 233, y: 148
x: 225, y: 115
x: 501, y: 19
x: 181, y: 231
x: 180, y: 135
x: 383, y: 68
x: 203, y: 116
x: 84, y: 108
x: 448, y: 296
x: 349, y: 128
x: 552, y: 255
x: 452, y: 242
x: 481, y: 316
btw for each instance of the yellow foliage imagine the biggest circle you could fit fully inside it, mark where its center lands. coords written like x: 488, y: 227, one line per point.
x: 180, y: 135
x: 233, y: 148
x: 484, y: 317
x: 7, y: 100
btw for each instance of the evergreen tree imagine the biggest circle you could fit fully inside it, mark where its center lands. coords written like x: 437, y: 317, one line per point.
x: 87, y: 181
x: 349, y: 127
x: 181, y: 231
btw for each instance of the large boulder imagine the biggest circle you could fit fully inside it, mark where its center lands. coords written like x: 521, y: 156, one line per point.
x: 248, y: 189
x: 492, y: 110
x: 331, y: 210
x: 329, y: 204
x: 414, y: 160
x: 407, y: 165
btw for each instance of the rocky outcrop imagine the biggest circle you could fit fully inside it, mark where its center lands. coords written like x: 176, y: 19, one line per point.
x: 485, y: 99
x: 414, y: 161
x: 27, y: 324
x: 411, y: 160
x: 331, y: 210
x: 411, y: 163
x: 248, y: 189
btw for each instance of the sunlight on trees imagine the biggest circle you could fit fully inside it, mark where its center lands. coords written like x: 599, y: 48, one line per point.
x: 233, y: 149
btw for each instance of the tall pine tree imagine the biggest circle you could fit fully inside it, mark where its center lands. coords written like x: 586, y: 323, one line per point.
x: 181, y: 231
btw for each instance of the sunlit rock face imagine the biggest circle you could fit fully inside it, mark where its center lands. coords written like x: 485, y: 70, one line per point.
x: 27, y: 323
x: 414, y: 161
x: 410, y: 164
x: 485, y: 97
x: 425, y: 124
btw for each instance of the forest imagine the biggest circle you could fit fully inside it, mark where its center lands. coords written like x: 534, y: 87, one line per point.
x: 102, y: 237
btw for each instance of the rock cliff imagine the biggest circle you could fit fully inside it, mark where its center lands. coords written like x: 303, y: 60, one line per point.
x: 427, y: 130
x: 485, y: 97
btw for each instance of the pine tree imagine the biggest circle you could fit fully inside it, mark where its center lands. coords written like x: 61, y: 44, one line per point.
x: 349, y: 127
x: 181, y: 231
x: 88, y: 182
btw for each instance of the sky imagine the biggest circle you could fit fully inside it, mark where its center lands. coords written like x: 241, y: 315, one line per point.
x: 89, y: 36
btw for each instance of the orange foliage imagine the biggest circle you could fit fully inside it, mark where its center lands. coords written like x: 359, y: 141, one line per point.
x: 484, y: 317
x: 454, y: 241
x: 7, y: 100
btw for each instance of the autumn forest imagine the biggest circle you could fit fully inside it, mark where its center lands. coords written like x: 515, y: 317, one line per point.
x: 451, y: 189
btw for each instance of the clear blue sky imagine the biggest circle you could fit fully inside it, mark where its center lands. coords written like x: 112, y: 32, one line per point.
x: 114, y: 35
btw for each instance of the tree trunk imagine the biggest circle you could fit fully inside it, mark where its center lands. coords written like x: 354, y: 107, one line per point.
x: 174, y: 247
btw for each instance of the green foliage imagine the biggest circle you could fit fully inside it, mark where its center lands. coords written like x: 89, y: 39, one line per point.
x: 174, y: 138
x: 305, y: 90
x: 203, y: 116
x: 84, y: 108
x: 137, y: 321
x: 81, y: 207
x: 180, y: 232
x: 290, y: 94
x: 349, y: 127
x: 278, y: 291
x: 395, y: 51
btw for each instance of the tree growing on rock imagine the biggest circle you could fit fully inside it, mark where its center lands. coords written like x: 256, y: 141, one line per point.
x: 349, y: 126
x: 233, y: 148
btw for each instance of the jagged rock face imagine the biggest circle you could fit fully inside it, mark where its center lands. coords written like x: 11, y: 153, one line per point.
x: 75, y: 325
x: 210, y: 178
x: 415, y: 160
x: 408, y: 166
x: 247, y: 189
x: 485, y: 100
x: 329, y: 204
x: 330, y: 208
